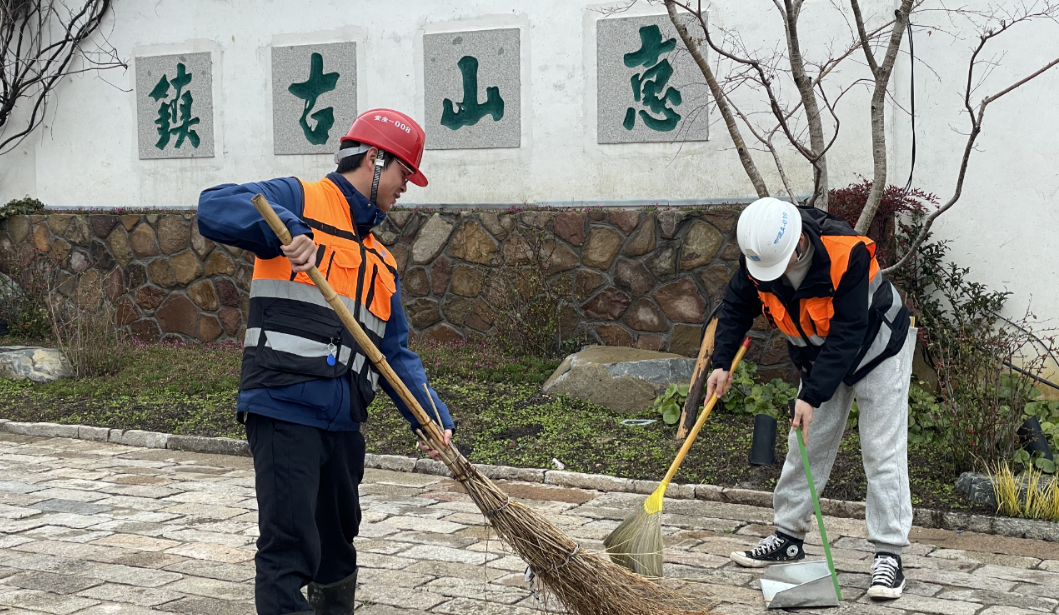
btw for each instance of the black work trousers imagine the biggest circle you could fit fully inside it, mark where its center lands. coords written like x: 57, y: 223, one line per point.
x: 309, y: 509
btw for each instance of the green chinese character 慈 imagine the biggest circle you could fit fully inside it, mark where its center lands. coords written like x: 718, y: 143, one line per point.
x: 174, y: 115
x: 318, y: 83
x: 649, y: 88
x: 469, y: 111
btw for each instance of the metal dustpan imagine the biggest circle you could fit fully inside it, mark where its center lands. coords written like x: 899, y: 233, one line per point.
x: 805, y: 584
x: 802, y: 585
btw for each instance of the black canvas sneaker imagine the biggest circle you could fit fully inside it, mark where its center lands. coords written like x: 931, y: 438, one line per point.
x: 775, y: 549
x: 887, y: 577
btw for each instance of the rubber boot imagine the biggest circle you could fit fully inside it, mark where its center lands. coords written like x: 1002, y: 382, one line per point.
x: 334, y: 598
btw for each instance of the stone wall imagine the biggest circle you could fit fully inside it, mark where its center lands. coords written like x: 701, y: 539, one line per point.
x: 165, y: 280
x: 645, y: 279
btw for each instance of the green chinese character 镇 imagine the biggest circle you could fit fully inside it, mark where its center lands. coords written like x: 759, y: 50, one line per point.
x: 318, y: 83
x: 649, y: 88
x: 469, y: 111
x: 175, y: 115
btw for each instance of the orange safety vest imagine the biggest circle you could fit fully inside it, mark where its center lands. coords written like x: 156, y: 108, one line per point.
x: 815, y: 313
x: 292, y: 334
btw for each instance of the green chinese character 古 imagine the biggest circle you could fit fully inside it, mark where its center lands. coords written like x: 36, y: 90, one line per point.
x: 647, y: 87
x: 318, y: 83
x: 469, y: 111
x: 174, y: 115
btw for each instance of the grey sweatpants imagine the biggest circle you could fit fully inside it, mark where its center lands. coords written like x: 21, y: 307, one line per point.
x: 882, y: 398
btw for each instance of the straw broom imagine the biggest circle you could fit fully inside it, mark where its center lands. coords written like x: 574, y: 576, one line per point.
x: 636, y: 543
x: 585, y: 583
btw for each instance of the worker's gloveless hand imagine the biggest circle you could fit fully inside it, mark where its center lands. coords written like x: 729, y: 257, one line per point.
x: 302, y: 252
x: 423, y: 446
x: 803, y: 417
x: 718, y: 382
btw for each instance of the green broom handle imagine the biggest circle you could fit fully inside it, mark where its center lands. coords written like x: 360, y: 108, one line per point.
x: 819, y: 515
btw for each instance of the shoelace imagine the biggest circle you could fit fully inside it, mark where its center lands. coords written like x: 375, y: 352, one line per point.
x: 884, y: 571
x: 769, y: 543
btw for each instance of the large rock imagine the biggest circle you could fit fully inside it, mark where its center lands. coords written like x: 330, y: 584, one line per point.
x: 441, y: 272
x: 632, y: 276
x: 174, y: 234
x: 467, y: 281
x: 601, y: 248
x: 186, y: 267
x: 119, y: 246
x: 701, y: 244
x: 200, y: 244
x: 978, y: 488
x: 431, y: 240
x: 143, y: 240
x: 622, y: 379
x: 33, y: 363
x: 473, y: 244
x: 681, y: 301
x: 558, y: 257
x: 643, y: 240
x: 570, y: 227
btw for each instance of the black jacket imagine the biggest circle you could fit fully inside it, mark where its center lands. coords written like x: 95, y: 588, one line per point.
x: 854, y: 327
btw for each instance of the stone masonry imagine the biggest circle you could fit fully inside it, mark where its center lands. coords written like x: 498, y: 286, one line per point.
x: 640, y: 278
x: 164, y: 280
x: 94, y: 528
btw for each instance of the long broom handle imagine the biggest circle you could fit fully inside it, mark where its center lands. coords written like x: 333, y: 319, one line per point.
x: 366, y: 346
x: 702, y: 419
x: 819, y: 515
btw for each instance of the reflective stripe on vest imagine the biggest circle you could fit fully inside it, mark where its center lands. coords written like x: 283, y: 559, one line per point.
x: 815, y: 313
x: 292, y: 332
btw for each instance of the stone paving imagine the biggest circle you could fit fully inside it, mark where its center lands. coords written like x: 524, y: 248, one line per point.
x: 92, y: 528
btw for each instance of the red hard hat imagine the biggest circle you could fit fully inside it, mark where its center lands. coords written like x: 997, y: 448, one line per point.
x: 393, y: 132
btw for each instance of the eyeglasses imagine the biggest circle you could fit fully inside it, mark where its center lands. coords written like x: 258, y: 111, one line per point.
x: 409, y: 171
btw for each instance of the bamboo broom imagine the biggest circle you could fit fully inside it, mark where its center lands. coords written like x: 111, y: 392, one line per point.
x: 583, y: 582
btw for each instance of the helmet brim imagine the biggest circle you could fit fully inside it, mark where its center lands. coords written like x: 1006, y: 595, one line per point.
x: 418, y: 179
x: 768, y: 274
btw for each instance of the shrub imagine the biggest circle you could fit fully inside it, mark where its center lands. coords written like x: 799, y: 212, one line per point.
x: 24, y: 296
x: 529, y: 298
x: 84, y: 330
x: 16, y: 207
x: 847, y: 203
x: 747, y: 396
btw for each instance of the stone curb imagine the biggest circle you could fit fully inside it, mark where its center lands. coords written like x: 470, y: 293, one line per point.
x: 922, y: 517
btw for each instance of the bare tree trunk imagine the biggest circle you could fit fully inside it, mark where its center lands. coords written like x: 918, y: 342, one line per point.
x: 881, y: 73
x: 722, y: 102
x: 812, y: 109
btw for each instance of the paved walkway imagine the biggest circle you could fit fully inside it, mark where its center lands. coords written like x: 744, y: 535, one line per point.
x: 94, y: 528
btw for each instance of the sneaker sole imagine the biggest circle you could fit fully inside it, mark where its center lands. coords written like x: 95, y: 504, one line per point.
x: 878, y: 592
x: 748, y: 562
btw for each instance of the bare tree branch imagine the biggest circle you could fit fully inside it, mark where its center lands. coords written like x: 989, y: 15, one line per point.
x: 720, y: 99
x: 878, y: 109
x: 41, y: 42
x: 976, y: 129
x: 812, y: 109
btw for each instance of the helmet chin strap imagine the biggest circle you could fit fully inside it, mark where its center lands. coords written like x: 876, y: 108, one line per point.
x: 380, y: 160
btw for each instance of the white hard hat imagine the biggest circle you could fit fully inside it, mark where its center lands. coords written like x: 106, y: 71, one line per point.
x: 768, y: 232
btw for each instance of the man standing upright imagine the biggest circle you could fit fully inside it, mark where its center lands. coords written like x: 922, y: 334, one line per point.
x: 306, y: 385
x: 848, y: 332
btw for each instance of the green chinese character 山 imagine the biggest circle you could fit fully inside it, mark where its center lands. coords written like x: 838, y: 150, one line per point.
x: 318, y: 83
x: 469, y: 111
x: 175, y: 111
x: 649, y: 88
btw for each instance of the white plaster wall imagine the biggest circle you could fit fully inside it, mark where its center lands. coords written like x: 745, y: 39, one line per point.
x: 86, y: 155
